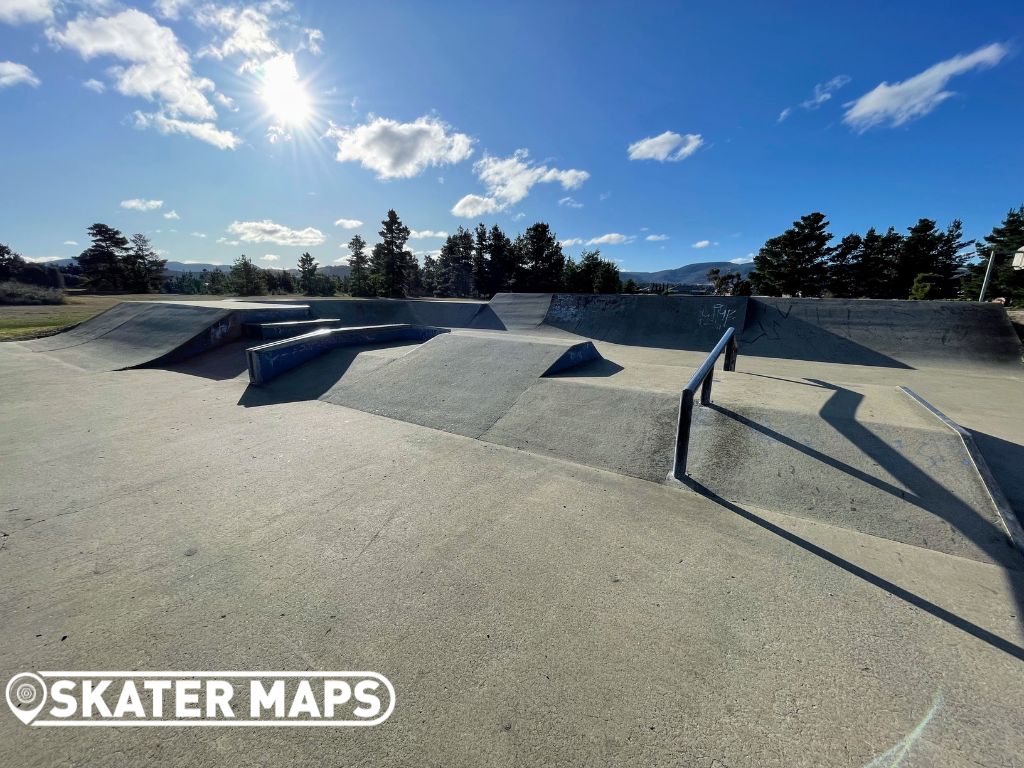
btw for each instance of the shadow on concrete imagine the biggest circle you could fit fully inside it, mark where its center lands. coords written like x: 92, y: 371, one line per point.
x: 992, y: 639
x: 1006, y: 461
x: 219, y: 364
x: 595, y: 369
x: 839, y: 412
x: 312, y: 379
x: 824, y: 458
x: 772, y: 329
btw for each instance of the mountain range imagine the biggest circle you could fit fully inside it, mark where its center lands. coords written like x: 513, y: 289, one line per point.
x: 689, y: 274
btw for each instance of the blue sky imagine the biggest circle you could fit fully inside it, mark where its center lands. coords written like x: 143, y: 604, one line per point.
x: 665, y: 133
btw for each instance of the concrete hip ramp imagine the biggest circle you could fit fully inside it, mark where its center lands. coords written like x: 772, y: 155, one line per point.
x: 460, y: 383
x: 133, y: 333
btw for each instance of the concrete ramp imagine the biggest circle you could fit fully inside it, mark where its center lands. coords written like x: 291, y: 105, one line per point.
x: 628, y: 431
x: 868, y: 458
x: 139, y: 333
x: 888, y: 334
x: 361, y: 312
x: 686, y: 322
x: 460, y: 383
x: 513, y: 312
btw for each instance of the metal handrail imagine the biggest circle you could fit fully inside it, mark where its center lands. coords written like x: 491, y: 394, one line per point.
x: 703, y: 377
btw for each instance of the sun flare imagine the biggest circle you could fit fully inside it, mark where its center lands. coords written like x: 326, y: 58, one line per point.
x: 284, y: 93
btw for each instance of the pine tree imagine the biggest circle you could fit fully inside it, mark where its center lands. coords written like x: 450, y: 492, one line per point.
x: 542, y: 258
x: 505, y: 266
x: 11, y: 263
x: 143, y: 269
x: 102, y: 262
x: 875, y: 271
x: 929, y: 250
x: 246, y: 279
x: 360, y: 283
x: 795, y: 262
x: 844, y: 267
x: 390, y: 262
x: 455, y: 264
x: 481, y: 262
x: 307, y: 273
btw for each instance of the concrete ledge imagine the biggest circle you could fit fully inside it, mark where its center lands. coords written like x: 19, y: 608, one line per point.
x: 1010, y: 522
x: 268, y: 361
x: 283, y: 330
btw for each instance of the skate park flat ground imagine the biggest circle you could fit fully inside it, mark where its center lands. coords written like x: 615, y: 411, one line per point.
x: 529, y: 607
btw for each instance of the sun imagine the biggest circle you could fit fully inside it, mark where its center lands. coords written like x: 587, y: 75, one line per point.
x: 283, y: 92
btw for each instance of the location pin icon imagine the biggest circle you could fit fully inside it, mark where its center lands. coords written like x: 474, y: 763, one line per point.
x: 26, y: 695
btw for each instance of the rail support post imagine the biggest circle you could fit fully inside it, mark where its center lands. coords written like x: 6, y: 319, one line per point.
x: 683, y: 434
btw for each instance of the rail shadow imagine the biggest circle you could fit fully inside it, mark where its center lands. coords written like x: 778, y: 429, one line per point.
x: 943, y: 614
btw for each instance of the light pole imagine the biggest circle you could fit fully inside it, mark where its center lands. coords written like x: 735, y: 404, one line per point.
x: 1018, y: 263
x: 988, y: 272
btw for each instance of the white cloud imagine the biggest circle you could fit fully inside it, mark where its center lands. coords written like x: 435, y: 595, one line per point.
x: 348, y: 223
x: 656, y: 238
x: 95, y: 85
x: 225, y: 241
x: 571, y: 242
x: 225, y: 101
x: 473, y: 206
x: 266, y: 231
x: 915, y: 97
x: 198, y: 234
x: 275, y: 134
x: 822, y: 93
x: 246, y: 33
x: 206, y: 131
x: 12, y: 73
x: 70, y: 242
x: 612, y: 238
x: 313, y: 39
x: 703, y: 244
x: 400, y: 150
x: 172, y: 215
x: 509, y: 180
x: 171, y: 9
x: 569, y: 202
x: 425, y: 234
x: 139, y: 204
x: 160, y: 68
x: 668, y: 146
x: 270, y: 257
x: 25, y: 11
x: 742, y: 259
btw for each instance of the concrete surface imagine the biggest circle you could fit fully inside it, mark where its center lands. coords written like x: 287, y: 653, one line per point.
x: 532, y: 607
x: 528, y: 611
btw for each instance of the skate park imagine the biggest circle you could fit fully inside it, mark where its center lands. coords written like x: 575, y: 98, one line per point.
x: 490, y: 493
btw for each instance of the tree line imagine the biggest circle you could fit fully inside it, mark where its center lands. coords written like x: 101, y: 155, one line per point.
x: 928, y: 262
x: 475, y: 263
x: 471, y: 263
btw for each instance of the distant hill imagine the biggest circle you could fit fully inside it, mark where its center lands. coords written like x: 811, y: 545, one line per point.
x: 690, y: 274
x: 179, y: 267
